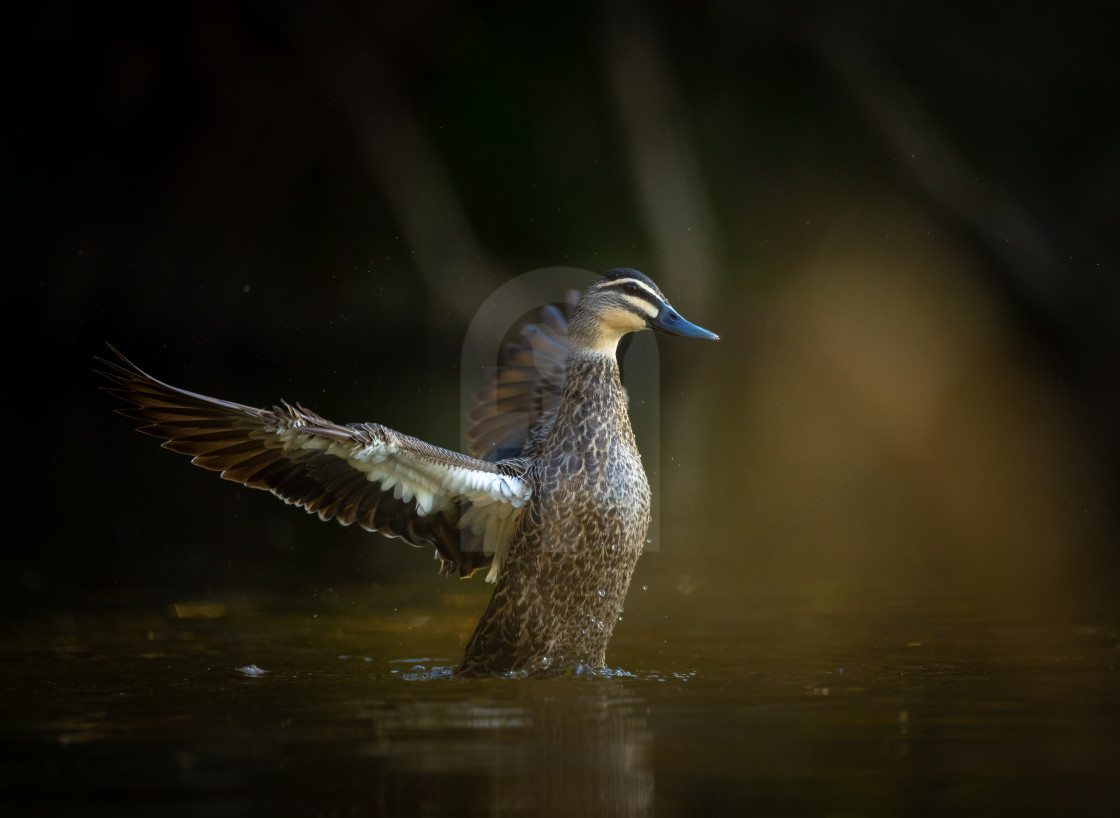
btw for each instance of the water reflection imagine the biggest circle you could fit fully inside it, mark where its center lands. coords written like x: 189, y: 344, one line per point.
x: 582, y: 749
x: 877, y: 706
x: 103, y: 699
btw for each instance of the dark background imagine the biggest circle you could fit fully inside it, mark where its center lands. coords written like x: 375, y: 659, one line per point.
x: 900, y: 217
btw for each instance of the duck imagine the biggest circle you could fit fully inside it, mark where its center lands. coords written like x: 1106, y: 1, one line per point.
x: 551, y: 498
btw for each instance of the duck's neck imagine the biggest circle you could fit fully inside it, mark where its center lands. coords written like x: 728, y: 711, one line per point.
x: 593, y: 403
x: 588, y: 338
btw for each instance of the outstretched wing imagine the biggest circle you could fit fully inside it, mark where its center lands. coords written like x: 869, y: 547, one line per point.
x: 364, y: 473
x: 520, y: 399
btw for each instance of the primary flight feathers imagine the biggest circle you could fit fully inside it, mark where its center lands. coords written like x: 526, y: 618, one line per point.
x: 361, y: 473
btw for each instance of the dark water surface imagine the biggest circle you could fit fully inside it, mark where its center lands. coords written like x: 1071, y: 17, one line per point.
x: 883, y: 706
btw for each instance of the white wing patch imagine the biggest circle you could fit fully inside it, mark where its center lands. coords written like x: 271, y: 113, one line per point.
x: 492, y: 501
x: 495, y: 525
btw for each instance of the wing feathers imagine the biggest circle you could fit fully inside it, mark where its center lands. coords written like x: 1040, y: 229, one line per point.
x: 364, y: 473
x: 524, y: 389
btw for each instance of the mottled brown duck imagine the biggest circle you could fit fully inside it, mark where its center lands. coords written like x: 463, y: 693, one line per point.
x: 552, y: 499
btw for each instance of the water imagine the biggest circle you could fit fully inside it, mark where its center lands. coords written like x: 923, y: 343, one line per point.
x: 873, y: 706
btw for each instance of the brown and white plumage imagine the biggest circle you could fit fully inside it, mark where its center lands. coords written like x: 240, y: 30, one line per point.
x: 561, y: 523
x: 361, y: 473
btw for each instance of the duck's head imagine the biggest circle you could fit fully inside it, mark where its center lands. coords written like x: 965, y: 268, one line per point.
x: 621, y: 301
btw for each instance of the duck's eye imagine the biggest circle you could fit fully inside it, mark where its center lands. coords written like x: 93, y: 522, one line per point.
x: 630, y: 287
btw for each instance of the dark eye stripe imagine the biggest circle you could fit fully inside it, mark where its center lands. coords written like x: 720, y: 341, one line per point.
x: 633, y: 288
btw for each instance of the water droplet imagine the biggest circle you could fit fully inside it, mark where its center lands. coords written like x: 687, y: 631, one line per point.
x: 645, y: 587
x: 602, y: 592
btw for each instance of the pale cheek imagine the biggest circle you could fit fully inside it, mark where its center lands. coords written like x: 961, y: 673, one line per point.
x: 622, y: 323
x: 611, y: 331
